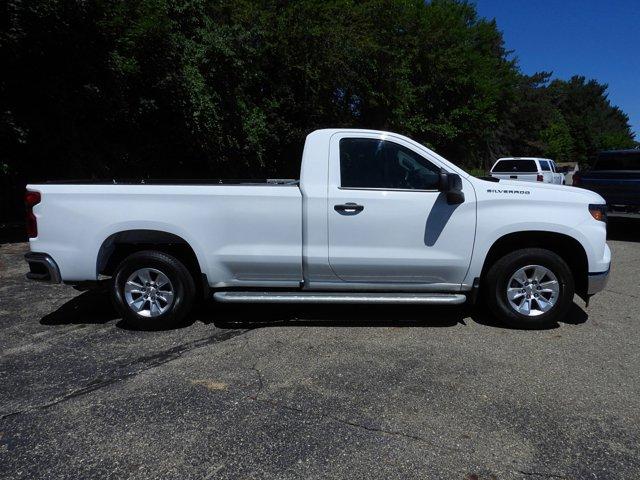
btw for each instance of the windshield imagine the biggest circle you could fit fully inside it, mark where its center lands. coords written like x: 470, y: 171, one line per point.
x: 509, y: 166
x: 626, y: 160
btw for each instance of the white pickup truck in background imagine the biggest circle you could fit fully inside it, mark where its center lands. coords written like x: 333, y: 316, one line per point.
x: 527, y: 169
x: 374, y: 218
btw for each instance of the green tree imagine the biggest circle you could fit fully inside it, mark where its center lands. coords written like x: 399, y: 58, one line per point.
x: 594, y: 123
x: 230, y: 88
x: 557, y: 139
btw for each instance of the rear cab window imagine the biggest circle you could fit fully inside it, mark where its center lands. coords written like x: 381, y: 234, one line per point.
x: 515, y: 166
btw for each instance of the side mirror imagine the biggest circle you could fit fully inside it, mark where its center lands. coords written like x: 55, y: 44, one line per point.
x: 451, y: 185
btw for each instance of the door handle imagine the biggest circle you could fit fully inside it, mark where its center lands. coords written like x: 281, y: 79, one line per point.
x: 349, y: 208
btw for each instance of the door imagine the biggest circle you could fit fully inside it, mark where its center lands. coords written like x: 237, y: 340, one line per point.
x: 557, y: 176
x: 387, y: 221
x: 547, y: 172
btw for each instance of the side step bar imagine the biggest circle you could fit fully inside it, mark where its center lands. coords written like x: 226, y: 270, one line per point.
x: 337, y: 297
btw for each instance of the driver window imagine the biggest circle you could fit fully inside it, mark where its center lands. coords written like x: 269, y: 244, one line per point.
x: 372, y: 163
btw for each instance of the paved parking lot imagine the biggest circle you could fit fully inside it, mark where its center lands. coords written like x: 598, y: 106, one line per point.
x: 318, y: 392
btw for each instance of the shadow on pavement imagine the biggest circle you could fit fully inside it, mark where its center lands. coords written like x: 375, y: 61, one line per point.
x: 94, y: 307
x: 90, y: 307
x: 310, y: 315
x: 244, y: 316
x: 576, y: 316
x: 623, y: 229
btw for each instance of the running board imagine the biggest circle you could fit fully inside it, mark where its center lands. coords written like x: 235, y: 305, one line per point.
x: 337, y: 297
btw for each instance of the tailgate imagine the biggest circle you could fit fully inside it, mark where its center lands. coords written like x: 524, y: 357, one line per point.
x: 522, y: 177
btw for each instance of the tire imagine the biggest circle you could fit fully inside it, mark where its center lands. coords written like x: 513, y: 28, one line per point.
x: 168, y: 285
x: 545, y: 309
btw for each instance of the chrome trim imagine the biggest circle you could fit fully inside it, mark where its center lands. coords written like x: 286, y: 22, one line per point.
x: 149, y: 292
x: 622, y: 214
x: 335, y: 297
x: 597, y: 282
x: 53, y: 272
x: 532, y: 290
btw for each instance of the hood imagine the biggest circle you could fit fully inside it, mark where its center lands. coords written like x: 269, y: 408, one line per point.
x: 560, y: 192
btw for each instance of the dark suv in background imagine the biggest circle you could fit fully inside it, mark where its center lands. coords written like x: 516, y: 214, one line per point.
x: 616, y: 176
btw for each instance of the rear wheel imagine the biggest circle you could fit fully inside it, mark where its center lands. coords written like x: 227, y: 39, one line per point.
x: 530, y: 288
x: 152, y: 290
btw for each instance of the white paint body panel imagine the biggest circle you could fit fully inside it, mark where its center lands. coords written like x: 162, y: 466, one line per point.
x: 504, y: 209
x: 279, y: 236
x: 241, y: 235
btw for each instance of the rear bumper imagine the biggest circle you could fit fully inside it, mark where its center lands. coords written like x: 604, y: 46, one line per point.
x: 597, y: 282
x: 42, y: 268
x: 624, y: 212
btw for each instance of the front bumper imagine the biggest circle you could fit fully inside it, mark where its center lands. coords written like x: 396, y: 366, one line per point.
x: 597, y: 282
x: 42, y: 268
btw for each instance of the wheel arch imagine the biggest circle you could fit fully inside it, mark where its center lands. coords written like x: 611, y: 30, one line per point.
x: 565, y: 246
x: 117, y: 246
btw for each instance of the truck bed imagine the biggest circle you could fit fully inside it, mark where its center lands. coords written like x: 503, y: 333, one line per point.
x: 251, y: 229
x: 191, y: 181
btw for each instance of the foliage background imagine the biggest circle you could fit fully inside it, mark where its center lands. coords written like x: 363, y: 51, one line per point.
x: 230, y: 88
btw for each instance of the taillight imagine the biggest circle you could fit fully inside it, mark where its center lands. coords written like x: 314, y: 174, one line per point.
x: 576, y: 179
x: 540, y: 178
x: 31, y: 199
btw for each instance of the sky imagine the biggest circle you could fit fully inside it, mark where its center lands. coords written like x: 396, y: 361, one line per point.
x: 597, y: 39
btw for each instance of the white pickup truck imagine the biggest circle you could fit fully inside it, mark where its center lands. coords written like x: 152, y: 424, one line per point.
x: 374, y: 218
x: 527, y: 169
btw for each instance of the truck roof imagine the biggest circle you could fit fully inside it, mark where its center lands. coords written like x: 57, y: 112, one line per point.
x: 626, y: 151
x: 326, y: 133
x: 525, y: 158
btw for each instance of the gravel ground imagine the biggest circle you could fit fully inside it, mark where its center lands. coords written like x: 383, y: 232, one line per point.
x: 318, y: 392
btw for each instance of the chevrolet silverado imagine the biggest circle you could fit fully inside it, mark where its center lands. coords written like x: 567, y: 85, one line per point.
x: 374, y: 218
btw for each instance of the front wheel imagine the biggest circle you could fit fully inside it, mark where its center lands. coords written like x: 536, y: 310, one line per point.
x: 152, y: 290
x: 530, y: 288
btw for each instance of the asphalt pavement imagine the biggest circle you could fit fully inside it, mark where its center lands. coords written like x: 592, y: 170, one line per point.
x: 306, y: 392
